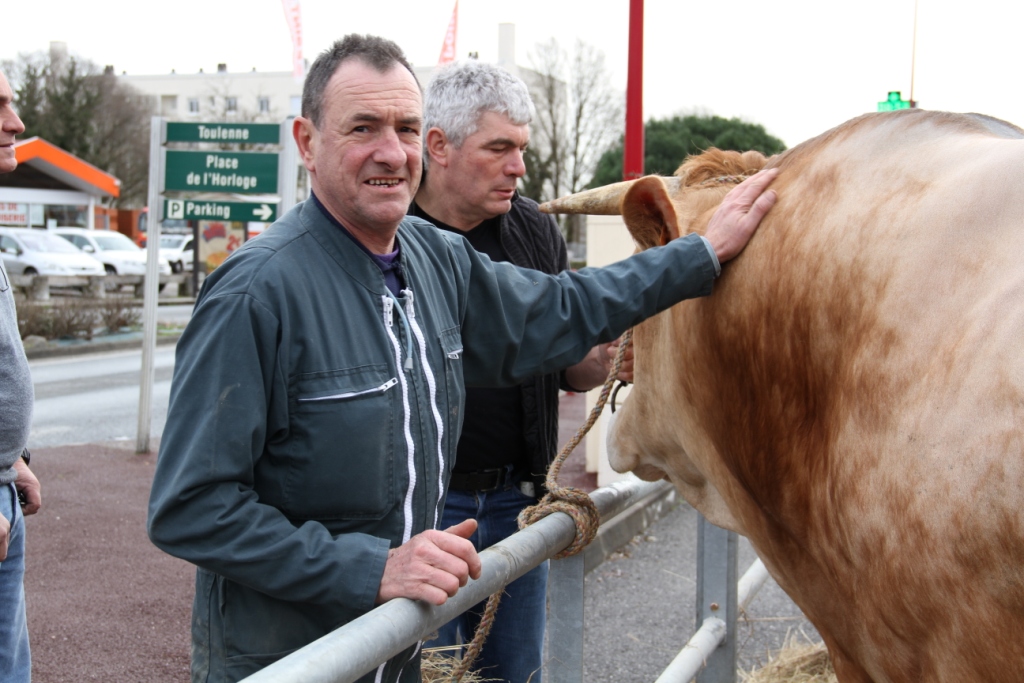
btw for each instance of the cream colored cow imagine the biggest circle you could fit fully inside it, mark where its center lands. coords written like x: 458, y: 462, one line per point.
x: 851, y: 396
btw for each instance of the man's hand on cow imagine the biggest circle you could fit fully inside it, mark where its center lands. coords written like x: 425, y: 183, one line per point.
x: 593, y: 370
x: 432, y: 566
x: 740, y: 213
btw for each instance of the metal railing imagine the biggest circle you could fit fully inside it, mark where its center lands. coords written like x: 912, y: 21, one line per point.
x: 360, y: 646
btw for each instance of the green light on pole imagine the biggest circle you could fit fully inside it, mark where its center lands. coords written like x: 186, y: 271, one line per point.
x: 893, y: 102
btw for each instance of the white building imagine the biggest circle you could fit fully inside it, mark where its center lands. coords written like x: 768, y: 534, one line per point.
x: 223, y: 95
x: 263, y: 96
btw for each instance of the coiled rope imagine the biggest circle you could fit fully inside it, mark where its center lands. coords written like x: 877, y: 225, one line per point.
x: 572, y: 501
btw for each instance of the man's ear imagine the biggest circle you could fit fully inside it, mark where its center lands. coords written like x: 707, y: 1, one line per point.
x: 437, y: 147
x: 305, y: 135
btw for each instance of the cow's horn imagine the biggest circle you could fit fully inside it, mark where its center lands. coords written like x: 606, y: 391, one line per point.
x: 601, y: 201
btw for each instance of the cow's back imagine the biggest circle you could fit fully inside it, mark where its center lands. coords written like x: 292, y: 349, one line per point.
x: 855, y: 390
x: 893, y: 263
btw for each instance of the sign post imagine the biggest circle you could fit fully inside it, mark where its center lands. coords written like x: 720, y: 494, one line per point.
x: 215, y: 172
x: 288, y: 168
x: 151, y: 286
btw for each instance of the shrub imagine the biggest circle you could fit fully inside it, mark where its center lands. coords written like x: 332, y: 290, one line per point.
x: 62, y: 319
x: 116, y: 312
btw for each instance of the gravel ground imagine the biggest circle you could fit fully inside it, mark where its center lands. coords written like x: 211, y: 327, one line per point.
x: 639, y: 606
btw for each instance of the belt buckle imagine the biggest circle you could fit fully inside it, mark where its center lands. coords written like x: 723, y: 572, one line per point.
x: 501, y: 474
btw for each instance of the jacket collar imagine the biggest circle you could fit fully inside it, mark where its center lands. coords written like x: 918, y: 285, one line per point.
x: 342, y: 245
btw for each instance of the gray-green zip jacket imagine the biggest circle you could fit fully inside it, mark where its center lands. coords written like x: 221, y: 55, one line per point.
x: 313, y: 419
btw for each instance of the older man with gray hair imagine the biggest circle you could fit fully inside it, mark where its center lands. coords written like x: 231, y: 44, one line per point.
x: 476, y: 118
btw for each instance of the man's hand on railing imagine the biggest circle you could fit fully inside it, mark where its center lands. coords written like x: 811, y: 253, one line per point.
x: 432, y: 566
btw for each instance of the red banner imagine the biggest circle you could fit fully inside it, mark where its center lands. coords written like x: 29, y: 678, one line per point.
x: 448, y: 49
x: 293, y: 16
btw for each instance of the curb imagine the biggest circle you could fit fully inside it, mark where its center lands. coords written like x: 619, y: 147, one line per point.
x: 53, y: 349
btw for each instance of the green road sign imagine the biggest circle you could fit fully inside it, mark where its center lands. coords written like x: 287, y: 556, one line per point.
x: 246, y: 172
x: 234, y: 133
x: 195, y: 210
x: 894, y: 101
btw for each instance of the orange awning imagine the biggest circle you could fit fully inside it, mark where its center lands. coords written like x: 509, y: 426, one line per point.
x: 54, y: 161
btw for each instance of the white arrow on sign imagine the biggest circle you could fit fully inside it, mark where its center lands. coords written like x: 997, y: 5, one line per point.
x: 263, y: 213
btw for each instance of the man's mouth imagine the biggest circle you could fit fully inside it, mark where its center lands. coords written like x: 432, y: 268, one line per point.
x: 385, y: 182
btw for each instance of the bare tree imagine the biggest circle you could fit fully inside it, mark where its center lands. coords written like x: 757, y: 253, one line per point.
x: 69, y: 102
x: 579, y: 115
x: 121, y: 137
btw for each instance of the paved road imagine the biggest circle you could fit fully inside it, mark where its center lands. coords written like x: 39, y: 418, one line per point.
x: 174, y: 314
x: 94, y: 398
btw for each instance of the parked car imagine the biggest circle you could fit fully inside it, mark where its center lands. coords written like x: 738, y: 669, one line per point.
x: 177, y: 249
x: 40, y: 252
x: 120, y: 256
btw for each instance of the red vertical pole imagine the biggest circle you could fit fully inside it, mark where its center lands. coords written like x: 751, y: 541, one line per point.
x: 633, y: 158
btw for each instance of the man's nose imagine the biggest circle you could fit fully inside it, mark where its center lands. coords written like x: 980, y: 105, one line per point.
x: 12, y: 123
x: 389, y: 151
x: 516, y: 166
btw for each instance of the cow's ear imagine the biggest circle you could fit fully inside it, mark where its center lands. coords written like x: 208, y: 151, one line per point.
x: 649, y: 212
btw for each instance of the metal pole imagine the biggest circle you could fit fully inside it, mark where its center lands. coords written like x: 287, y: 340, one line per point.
x: 564, y: 629
x: 691, y: 658
x: 750, y: 583
x: 716, y: 596
x: 913, y: 56
x: 633, y: 154
x: 157, y: 134
x: 287, y: 168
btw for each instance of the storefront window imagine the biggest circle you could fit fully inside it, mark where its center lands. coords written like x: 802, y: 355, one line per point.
x: 66, y: 216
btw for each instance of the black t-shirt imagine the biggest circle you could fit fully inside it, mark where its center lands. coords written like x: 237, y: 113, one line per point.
x: 492, y: 432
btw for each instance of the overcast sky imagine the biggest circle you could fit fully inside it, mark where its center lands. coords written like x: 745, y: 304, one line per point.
x: 798, y: 67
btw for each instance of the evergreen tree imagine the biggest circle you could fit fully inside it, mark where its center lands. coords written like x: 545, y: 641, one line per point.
x: 667, y: 142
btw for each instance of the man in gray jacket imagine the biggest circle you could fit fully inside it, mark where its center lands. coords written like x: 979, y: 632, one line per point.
x: 16, y: 398
x: 318, y: 390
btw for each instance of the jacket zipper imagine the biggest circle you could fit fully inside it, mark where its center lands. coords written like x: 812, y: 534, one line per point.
x: 352, y: 394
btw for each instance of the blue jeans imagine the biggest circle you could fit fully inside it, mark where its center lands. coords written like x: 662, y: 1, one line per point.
x: 15, y: 659
x: 514, y: 649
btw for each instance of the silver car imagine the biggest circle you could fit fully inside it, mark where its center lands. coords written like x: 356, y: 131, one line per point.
x: 118, y: 254
x: 40, y: 252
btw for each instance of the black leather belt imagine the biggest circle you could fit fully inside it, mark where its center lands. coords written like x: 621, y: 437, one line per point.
x: 481, y: 480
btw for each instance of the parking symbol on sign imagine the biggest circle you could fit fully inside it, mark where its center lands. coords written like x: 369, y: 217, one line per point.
x: 175, y: 208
